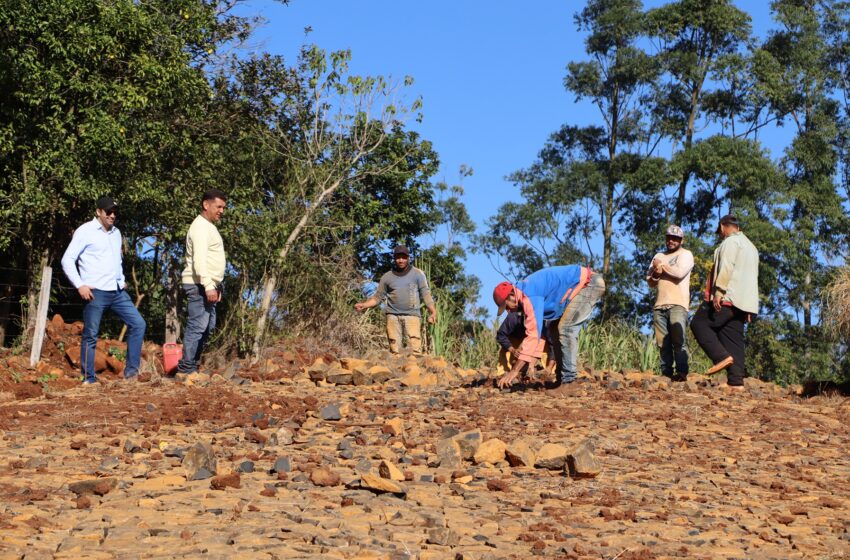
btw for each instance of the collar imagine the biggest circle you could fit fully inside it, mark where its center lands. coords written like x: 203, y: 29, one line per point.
x: 402, y: 272
x: 99, y: 226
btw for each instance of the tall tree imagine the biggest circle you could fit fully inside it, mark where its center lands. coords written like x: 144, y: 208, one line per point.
x: 327, y: 128
x: 798, y: 79
x: 588, y: 177
x: 698, y: 40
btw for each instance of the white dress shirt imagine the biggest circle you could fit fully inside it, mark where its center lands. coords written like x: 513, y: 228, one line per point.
x: 97, y: 253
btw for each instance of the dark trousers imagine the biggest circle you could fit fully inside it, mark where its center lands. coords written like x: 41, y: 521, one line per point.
x: 721, y: 334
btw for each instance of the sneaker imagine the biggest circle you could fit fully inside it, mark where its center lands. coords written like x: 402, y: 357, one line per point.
x: 90, y: 382
x: 132, y: 378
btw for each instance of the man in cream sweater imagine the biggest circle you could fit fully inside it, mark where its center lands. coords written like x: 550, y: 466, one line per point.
x: 670, y: 274
x: 205, y: 263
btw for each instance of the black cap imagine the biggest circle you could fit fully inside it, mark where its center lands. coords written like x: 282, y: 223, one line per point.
x: 728, y: 220
x: 106, y: 203
x: 401, y: 250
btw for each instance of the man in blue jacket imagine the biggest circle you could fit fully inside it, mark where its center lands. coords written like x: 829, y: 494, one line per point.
x: 564, y: 296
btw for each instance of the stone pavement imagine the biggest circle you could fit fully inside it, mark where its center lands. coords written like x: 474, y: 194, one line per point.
x: 420, y: 459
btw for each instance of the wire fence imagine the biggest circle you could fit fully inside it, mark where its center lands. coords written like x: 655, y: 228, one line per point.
x: 16, y: 305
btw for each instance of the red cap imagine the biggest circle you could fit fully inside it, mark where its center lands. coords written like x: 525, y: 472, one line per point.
x: 501, y: 293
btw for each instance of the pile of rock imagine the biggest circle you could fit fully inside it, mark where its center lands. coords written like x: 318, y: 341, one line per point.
x: 453, y: 450
x: 406, y: 371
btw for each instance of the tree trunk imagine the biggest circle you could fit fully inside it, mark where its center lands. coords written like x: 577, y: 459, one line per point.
x: 4, y: 313
x: 271, y: 280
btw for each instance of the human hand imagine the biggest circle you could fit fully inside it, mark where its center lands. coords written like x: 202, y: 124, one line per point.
x: 514, y: 352
x: 507, y: 380
x: 718, y: 299
x: 85, y: 293
x: 212, y: 296
x: 359, y: 306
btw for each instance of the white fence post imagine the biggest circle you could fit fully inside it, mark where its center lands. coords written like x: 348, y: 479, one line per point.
x: 41, y: 318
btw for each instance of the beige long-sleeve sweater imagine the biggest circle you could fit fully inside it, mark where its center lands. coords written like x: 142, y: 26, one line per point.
x: 205, y: 256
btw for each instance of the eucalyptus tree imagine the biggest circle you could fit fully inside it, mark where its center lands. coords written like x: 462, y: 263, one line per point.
x: 588, y: 177
x: 799, y: 80
x: 697, y: 41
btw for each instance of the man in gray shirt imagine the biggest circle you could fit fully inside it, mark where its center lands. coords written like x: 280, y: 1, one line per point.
x: 403, y: 289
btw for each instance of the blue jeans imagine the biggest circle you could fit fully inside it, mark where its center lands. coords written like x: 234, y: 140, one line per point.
x: 670, y: 325
x: 566, y: 330
x: 119, y: 302
x: 200, y: 322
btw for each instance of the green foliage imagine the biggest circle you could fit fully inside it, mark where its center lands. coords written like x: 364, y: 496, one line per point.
x: 618, y: 345
x: 117, y: 353
x: 45, y: 379
x: 688, y: 75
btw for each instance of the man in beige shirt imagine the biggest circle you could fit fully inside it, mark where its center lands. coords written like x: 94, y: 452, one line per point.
x: 731, y: 300
x: 205, y: 264
x: 670, y: 273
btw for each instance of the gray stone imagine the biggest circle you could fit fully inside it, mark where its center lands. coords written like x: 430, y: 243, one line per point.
x: 132, y: 445
x: 582, y: 463
x: 174, y: 451
x: 449, y: 453
x: 109, y: 463
x: 449, y: 431
x: 330, y: 412
x: 200, y: 457
x: 282, y: 464
x: 201, y: 474
x: 442, y: 536
x: 468, y: 442
x: 245, y: 467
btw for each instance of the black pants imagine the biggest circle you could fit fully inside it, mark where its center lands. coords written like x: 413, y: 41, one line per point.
x: 721, y: 334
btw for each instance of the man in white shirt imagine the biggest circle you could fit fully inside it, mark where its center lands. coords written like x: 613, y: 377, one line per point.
x: 670, y: 273
x: 92, y: 262
x: 205, y: 264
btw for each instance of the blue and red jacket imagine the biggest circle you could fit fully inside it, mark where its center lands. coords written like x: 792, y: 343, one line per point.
x: 544, y: 296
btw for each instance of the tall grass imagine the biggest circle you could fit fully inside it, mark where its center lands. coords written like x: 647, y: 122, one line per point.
x: 616, y: 345
x: 469, y: 343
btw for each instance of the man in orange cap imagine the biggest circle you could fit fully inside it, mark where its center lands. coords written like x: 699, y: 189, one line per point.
x: 562, y: 295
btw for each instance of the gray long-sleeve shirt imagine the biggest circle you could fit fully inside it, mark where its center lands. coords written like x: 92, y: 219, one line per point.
x: 404, y: 295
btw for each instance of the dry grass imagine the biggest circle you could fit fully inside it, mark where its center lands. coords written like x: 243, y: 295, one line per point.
x: 837, y: 304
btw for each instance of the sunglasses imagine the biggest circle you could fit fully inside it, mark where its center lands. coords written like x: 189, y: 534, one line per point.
x: 111, y: 212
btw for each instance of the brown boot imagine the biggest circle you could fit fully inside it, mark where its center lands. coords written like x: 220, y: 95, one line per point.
x: 567, y: 389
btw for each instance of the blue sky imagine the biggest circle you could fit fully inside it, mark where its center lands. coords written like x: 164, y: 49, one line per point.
x: 490, y: 75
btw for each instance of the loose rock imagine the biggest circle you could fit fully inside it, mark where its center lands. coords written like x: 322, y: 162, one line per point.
x: 199, y: 462
x: 582, y: 463
x: 551, y: 456
x: 491, y: 451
